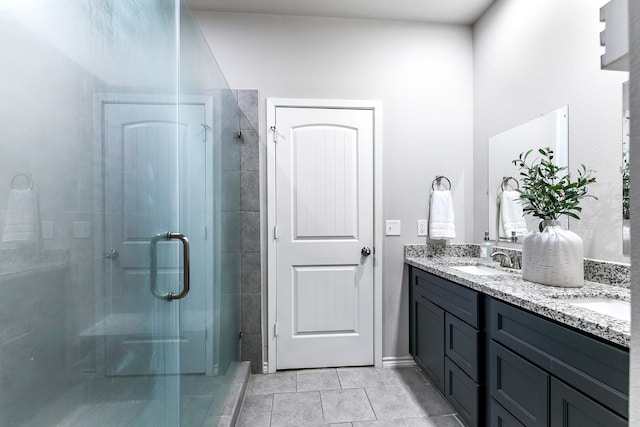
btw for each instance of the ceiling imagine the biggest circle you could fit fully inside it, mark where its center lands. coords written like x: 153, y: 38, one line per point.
x: 438, y: 11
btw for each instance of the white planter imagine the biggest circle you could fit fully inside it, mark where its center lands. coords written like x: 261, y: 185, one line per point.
x: 553, y: 257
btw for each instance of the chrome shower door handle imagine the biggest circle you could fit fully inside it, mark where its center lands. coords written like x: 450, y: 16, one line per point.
x: 185, y: 265
x: 154, y: 265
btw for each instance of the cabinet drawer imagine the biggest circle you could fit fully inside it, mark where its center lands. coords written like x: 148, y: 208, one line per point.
x: 570, y: 408
x: 461, y: 345
x: 599, y: 369
x: 456, y: 299
x: 462, y: 392
x: 520, y: 387
x: 500, y: 417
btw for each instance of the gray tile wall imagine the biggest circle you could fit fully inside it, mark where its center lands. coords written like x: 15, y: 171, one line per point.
x: 251, y: 304
x: 47, y: 302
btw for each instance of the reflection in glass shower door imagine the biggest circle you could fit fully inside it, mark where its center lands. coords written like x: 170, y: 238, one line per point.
x: 152, y: 187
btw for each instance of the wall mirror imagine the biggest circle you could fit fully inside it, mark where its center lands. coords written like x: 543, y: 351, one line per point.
x: 626, y: 225
x: 548, y: 130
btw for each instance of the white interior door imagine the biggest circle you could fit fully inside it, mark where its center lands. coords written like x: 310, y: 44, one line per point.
x: 324, y: 215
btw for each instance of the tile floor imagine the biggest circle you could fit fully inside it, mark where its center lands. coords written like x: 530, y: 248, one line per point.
x: 345, y: 397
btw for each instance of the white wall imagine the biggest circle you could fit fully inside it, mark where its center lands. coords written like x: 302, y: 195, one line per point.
x: 531, y: 57
x: 423, y: 76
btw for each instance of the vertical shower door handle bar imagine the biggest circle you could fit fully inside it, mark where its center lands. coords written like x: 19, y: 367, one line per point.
x: 185, y: 265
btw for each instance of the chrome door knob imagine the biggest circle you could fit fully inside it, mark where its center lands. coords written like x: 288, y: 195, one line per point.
x: 365, y: 251
x: 111, y: 254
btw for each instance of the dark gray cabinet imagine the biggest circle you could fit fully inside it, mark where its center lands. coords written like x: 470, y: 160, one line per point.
x: 500, y: 417
x: 519, y: 386
x: 429, y: 339
x: 462, y: 345
x: 547, y: 374
x: 462, y: 392
x: 502, y: 366
x: 445, y: 340
x: 570, y: 408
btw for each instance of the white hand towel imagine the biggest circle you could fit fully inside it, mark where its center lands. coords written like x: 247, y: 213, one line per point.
x: 21, y: 220
x: 441, y: 219
x: 511, y: 216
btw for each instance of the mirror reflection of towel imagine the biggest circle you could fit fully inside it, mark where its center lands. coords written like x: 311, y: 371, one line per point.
x: 511, y: 215
x: 441, y: 219
x: 21, y: 220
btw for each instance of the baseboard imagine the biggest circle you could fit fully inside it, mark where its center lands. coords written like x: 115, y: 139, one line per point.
x: 387, y: 362
x: 397, y: 362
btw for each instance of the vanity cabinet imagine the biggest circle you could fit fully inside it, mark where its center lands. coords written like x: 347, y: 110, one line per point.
x: 428, y: 343
x: 445, y: 340
x: 501, y: 365
x: 546, y: 374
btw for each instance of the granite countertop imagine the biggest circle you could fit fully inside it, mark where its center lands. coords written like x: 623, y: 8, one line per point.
x: 546, y: 301
x: 17, y: 262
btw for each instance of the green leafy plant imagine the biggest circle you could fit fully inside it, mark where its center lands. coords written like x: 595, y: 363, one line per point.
x: 546, y: 189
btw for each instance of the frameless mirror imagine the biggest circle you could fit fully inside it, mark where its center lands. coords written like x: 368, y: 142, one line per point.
x: 548, y: 130
x: 626, y: 225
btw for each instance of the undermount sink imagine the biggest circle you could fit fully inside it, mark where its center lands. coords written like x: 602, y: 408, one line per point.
x: 479, y: 270
x: 609, y: 306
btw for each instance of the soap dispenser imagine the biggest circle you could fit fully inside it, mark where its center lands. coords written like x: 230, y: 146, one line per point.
x: 486, y: 248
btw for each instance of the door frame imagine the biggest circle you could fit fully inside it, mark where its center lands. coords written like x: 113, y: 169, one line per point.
x: 210, y: 104
x: 376, y: 108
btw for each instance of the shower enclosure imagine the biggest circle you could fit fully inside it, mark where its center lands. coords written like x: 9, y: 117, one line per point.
x: 119, y: 214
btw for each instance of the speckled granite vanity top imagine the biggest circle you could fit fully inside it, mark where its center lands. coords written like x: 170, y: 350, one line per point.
x: 25, y: 261
x: 548, y: 301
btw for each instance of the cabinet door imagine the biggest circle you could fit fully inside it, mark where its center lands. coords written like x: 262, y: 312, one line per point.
x: 570, y: 408
x: 500, y: 417
x: 462, y: 344
x: 519, y: 386
x: 596, y: 368
x: 462, y: 392
x: 429, y: 345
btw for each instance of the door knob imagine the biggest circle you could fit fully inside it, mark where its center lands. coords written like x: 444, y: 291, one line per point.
x: 365, y: 251
x: 111, y: 253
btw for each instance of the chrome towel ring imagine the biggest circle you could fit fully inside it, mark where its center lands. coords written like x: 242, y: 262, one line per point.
x: 505, y: 183
x: 438, y: 181
x: 22, y: 181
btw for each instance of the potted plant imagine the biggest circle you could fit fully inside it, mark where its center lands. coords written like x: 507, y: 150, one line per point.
x: 552, y: 255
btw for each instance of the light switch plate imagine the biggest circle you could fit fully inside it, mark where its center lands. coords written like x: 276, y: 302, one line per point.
x: 392, y: 227
x: 423, y: 227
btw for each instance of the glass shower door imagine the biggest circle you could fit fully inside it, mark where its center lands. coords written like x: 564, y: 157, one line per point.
x: 124, y: 123
x: 154, y: 330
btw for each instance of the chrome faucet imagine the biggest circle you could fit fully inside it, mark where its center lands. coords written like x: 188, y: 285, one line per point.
x: 505, y: 261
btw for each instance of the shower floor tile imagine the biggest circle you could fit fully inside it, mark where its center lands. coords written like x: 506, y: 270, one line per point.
x: 138, y: 401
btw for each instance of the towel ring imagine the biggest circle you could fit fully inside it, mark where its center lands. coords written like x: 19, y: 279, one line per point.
x: 28, y: 185
x: 505, y: 182
x: 438, y: 180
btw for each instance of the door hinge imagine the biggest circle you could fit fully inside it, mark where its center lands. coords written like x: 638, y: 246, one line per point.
x: 275, y: 329
x: 275, y: 134
x: 206, y: 233
x: 276, y: 236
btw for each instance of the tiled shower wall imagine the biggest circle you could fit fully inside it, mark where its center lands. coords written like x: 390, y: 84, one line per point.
x: 49, y: 292
x: 251, y: 304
